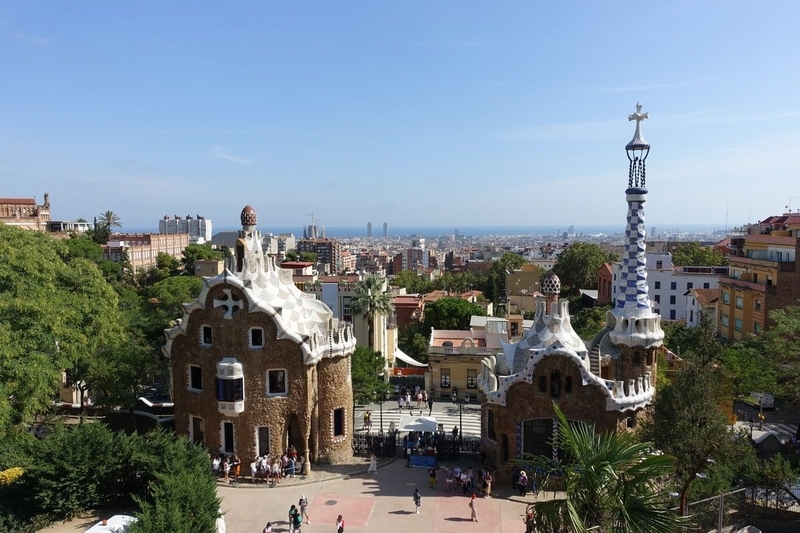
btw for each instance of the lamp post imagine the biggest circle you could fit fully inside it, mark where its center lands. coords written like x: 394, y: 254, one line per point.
x: 379, y: 398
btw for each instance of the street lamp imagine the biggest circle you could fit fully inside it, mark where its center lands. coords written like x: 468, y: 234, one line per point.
x: 380, y: 398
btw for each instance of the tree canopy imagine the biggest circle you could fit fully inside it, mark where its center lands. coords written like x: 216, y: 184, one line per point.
x: 577, y: 265
x: 451, y: 313
x: 692, y: 254
x: 371, y: 300
x: 54, y: 316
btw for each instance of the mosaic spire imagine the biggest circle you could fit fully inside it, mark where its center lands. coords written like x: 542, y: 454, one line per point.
x: 632, y: 295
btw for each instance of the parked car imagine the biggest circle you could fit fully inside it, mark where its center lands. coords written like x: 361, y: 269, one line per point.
x: 761, y: 400
x: 116, y: 524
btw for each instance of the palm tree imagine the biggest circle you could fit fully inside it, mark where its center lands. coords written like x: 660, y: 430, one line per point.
x: 370, y: 301
x: 109, y: 220
x: 612, y: 482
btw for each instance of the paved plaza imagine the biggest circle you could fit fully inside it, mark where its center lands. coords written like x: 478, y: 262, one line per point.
x: 368, y: 502
x: 377, y: 502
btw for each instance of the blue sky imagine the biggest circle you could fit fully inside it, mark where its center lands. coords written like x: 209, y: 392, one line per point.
x: 449, y: 113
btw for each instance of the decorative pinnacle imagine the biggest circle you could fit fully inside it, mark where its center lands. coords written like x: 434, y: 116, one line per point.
x: 638, y: 141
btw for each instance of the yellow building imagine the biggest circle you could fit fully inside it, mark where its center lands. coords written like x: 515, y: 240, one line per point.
x: 454, y: 357
x: 763, y: 276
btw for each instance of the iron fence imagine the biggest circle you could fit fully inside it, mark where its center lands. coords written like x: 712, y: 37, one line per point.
x: 749, y: 506
x: 448, y: 448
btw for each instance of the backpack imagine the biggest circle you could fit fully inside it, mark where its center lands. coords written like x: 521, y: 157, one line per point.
x: 298, y: 519
x: 416, y: 498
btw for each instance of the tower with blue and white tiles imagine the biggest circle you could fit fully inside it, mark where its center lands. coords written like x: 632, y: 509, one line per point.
x: 632, y: 319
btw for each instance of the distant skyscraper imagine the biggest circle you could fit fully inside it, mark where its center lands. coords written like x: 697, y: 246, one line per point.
x: 385, y: 229
x: 369, y: 229
x: 456, y: 233
x: 571, y: 230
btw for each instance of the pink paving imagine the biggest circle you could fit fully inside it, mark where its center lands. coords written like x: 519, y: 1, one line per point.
x: 356, y: 510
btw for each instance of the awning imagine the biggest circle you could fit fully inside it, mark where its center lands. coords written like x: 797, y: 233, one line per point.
x: 398, y: 354
x: 418, y: 423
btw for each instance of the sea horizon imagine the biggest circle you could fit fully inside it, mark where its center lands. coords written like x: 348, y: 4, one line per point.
x: 435, y: 231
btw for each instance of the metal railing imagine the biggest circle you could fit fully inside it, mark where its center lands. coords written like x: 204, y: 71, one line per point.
x: 448, y: 448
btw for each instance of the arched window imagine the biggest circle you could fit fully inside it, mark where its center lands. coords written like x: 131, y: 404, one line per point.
x: 542, y: 384
x: 555, y: 383
x: 637, y: 359
x: 649, y: 357
x: 568, y: 384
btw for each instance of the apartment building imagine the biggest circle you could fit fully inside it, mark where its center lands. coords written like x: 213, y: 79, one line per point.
x: 667, y: 284
x: 764, y: 276
x: 142, y: 249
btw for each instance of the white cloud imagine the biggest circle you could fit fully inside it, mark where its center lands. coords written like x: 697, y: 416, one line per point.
x: 220, y: 153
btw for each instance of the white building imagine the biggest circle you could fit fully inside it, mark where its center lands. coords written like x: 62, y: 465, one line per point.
x: 668, y: 284
x: 198, y: 228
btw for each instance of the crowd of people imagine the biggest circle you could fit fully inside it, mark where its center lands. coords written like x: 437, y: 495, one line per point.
x: 268, y: 468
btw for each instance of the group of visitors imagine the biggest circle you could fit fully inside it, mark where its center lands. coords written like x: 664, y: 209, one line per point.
x: 273, y: 468
x: 417, y: 498
x: 468, y: 481
x: 405, y: 397
x: 227, y: 466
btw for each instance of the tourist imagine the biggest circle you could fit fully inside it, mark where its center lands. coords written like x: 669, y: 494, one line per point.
x: 303, y: 503
x: 267, y: 528
x: 417, y: 499
x: 430, y: 405
x: 373, y: 464
x: 473, y: 512
x: 487, y: 484
x: 292, y: 513
x: 339, y: 524
x: 432, y: 477
x: 449, y: 480
x: 523, y: 483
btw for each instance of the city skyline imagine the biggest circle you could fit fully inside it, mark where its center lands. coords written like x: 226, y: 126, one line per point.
x: 454, y: 114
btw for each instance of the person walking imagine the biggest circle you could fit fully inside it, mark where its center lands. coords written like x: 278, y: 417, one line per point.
x: 292, y: 513
x: 430, y: 405
x: 373, y: 464
x: 432, y: 477
x: 417, y: 499
x: 339, y: 524
x: 472, y: 510
x: 523, y: 483
x: 487, y: 481
x: 267, y: 528
x: 303, y: 503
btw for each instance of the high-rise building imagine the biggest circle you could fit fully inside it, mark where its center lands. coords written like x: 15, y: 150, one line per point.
x: 198, y: 228
x: 369, y: 229
x: 385, y: 229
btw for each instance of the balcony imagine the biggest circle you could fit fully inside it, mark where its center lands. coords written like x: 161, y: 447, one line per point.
x: 738, y: 283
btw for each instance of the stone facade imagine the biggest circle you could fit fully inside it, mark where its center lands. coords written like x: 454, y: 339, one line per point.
x: 257, y: 366
x: 25, y: 213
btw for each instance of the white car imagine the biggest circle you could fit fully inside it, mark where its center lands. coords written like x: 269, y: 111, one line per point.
x: 763, y: 400
x: 116, y: 524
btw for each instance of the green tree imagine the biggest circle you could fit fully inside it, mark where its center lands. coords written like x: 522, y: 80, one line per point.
x: 308, y: 257
x: 751, y: 369
x: 450, y: 313
x: 54, y: 316
x: 371, y: 300
x: 83, y: 247
x: 577, y: 266
x: 781, y: 344
x: 367, y: 368
x: 109, y: 220
x: 197, y: 252
x: 692, y: 254
x: 589, y: 321
x: 611, y: 481
x: 413, y: 340
x: 689, y: 425
x: 412, y: 282
x: 290, y: 255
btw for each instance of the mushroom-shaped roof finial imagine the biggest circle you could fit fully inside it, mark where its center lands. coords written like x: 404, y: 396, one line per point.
x: 249, y: 216
x: 551, y: 285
